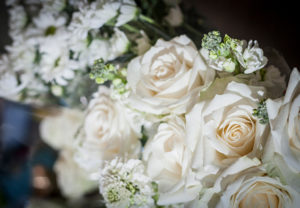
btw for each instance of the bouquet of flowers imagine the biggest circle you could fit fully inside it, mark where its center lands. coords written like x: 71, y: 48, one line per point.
x: 153, y: 116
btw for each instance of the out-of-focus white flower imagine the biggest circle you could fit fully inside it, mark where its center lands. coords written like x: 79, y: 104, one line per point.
x: 125, y: 184
x: 143, y: 43
x: 9, y: 85
x: 109, y: 133
x: 284, y: 139
x: 175, y: 16
x: 18, y: 20
x: 128, y: 11
x: 55, y: 64
x: 54, y: 5
x: 96, y: 14
x: 59, y: 130
x: 97, y: 49
x: 22, y: 54
x: 251, y: 58
x: 119, y: 44
x: 49, y: 23
x: 57, y: 90
x: 93, y: 16
x: 72, y: 180
x: 222, y: 129
x: 168, y: 78
x: 168, y: 162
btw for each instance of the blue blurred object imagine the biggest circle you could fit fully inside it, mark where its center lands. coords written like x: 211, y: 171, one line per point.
x: 15, y: 169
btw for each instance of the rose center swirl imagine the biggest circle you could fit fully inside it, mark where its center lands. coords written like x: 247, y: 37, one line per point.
x: 237, y: 133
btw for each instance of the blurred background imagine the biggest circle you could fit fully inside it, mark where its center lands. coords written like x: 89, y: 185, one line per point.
x: 26, y: 171
x: 272, y: 23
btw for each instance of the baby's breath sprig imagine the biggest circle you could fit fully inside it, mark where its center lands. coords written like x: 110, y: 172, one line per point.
x: 222, y: 49
x: 261, y: 112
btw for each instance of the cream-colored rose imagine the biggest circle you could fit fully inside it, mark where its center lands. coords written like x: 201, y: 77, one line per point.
x: 168, y: 162
x: 168, y: 77
x: 222, y: 129
x: 109, y: 132
x: 72, y: 180
x: 259, y: 192
x: 283, y: 147
x: 59, y: 130
x: 246, y: 184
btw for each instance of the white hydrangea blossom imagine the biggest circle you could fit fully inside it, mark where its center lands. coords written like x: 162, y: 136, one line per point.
x: 124, y: 184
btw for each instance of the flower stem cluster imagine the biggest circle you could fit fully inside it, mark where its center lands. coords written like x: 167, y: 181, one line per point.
x: 261, y: 112
x: 102, y: 72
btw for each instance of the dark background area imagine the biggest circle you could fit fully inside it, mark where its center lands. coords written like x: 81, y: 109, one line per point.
x: 271, y: 23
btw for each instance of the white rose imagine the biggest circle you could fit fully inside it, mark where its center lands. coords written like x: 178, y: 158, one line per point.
x: 168, y: 162
x: 168, y: 77
x: 222, y: 129
x: 109, y: 132
x: 72, y: 180
x: 283, y: 147
x: 249, y: 191
x: 59, y: 130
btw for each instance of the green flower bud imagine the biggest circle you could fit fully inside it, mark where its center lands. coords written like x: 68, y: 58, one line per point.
x: 229, y: 65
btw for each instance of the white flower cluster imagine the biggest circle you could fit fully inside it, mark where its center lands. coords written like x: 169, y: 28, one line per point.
x: 125, y: 184
x: 232, y: 55
x: 179, y: 126
x: 54, y: 40
x: 210, y: 138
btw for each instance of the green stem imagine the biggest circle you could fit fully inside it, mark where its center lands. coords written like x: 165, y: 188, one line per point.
x: 157, y: 31
x: 131, y: 28
x: 147, y: 19
x: 190, y: 28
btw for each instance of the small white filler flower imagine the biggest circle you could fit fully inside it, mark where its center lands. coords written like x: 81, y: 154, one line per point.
x: 124, y: 184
